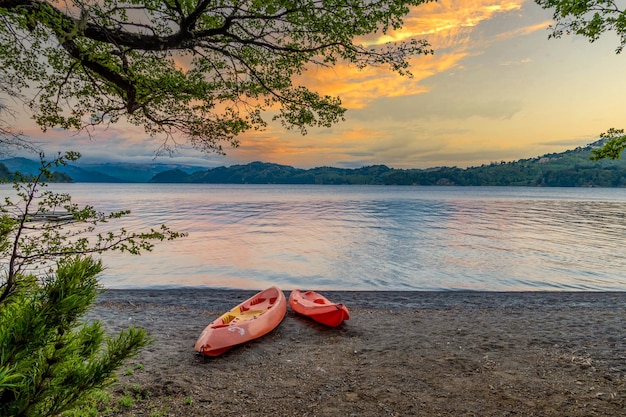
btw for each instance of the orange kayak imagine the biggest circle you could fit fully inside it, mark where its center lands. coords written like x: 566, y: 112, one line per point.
x: 318, y: 308
x: 253, y: 318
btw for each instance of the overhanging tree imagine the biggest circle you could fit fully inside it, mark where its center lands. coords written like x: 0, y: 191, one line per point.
x: 591, y: 19
x: 203, y: 70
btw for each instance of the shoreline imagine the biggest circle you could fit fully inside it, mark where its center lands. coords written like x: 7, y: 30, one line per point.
x: 374, y: 299
x: 401, y: 353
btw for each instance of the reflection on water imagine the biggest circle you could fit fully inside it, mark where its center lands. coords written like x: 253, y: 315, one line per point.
x: 369, y: 238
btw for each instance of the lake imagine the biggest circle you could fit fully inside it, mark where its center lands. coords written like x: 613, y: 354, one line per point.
x: 368, y: 237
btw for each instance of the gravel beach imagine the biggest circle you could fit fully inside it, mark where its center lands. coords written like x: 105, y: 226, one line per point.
x: 400, y: 354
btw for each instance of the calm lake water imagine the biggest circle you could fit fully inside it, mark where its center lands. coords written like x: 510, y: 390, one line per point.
x: 368, y: 237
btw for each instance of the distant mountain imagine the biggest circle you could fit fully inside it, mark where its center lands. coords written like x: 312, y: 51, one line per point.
x: 571, y: 168
x: 138, y: 172
x: 110, y: 172
x: 22, y: 165
x: 267, y: 173
x: 84, y: 175
x: 171, y: 176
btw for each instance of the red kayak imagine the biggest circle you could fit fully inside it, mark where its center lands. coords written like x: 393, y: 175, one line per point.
x: 318, y: 308
x: 253, y: 318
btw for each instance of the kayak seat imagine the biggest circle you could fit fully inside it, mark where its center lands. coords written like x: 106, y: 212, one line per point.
x: 319, y: 301
x: 227, y: 318
x: 257, y: 301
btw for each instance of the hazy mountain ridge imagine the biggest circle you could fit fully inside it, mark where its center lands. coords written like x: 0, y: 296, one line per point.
x: 109, y: 172
x: 571, y: 168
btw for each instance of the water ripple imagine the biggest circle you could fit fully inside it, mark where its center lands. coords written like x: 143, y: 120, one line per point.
x: 370, y: 238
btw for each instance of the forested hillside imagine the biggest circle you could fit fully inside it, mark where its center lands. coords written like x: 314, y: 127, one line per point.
x: 572, y: 168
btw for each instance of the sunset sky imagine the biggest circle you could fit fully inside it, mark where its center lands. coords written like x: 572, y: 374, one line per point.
x: 496, y: 89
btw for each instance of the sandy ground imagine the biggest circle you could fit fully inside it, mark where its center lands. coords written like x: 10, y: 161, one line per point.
x: 400, y: 354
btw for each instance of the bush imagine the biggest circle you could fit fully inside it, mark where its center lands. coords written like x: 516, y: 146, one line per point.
x: 50, y: 361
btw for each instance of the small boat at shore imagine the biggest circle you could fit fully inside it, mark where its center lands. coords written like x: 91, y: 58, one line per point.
x: 51, y: 216
x: 318, y: 308
x: 249, y: 320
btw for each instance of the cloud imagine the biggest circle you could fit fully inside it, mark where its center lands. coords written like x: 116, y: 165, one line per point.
x: 445, y: 22
x: 350, y: 145
x: 118, y: 142
x: 569, y: 143
x: 320, y: 147
x: 451, y: 29
x: 517, y: 62
x: 437, y: 105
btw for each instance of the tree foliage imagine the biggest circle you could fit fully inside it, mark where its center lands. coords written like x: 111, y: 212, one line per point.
x: 614, y: 145
x: 206, y: 70
x: 591, y: 19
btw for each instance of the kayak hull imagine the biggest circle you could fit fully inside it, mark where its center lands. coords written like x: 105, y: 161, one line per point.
x: 317, y: 307
x: 249, y: 320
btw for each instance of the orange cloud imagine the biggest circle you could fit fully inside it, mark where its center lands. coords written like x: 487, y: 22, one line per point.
x: 437, y: 21
x: 320, y: 147
x: 446, y: 25
x: 527, y: 30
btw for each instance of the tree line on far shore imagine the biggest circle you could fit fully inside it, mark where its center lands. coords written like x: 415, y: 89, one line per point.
x: 55, y: 176
x: 572, y: 168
